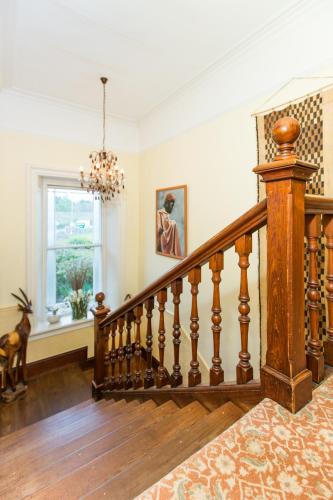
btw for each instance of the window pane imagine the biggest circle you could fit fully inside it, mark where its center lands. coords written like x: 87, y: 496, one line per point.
x: 69, y: 270
x: 73, y: 217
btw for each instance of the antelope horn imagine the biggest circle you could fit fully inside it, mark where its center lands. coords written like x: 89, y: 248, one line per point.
x: 25, y: 296
x: 19, y: 299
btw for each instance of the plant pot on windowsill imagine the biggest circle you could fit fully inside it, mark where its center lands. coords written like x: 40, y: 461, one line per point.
x: 79, y: 302
x: 53, y: 317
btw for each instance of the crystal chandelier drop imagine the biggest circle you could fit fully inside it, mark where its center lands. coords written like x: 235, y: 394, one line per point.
x: 105, y: 180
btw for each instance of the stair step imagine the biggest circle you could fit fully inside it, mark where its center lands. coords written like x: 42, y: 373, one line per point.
x: 44, y: 426
x: 77, y: 453
x: 161, y: 460
x: 89, y: 476
x: 58, y: 430
x: 36, y: 461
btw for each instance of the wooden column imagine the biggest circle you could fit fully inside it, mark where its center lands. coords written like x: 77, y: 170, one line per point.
x: 314, y: 356
x: 194, y: 375
x: 137, y: 380
x: 284, y: 377
x: 129, y: 319
x: 149, y: 375
x: 216, y: 374
x: 328, y: 344
x: 121, y: 353
x: 177, y: 290
x: 161, y: 378
x: 101, y: 345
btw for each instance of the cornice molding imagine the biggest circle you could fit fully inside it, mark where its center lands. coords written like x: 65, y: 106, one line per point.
x: 262, y: 63
x: 285, y: 19
x: 61, y: 120
x: 63, y: 103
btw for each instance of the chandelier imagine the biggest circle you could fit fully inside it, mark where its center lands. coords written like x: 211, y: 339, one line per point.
x: 105, y: 180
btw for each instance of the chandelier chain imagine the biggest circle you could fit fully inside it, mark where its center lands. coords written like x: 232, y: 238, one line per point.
x: 104, y: 103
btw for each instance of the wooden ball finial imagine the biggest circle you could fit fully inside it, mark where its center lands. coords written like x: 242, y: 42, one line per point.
x: 100, y: 297
x: 285, y: 133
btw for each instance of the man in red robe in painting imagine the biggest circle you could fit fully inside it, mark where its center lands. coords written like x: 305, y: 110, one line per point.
x: 168, y: 241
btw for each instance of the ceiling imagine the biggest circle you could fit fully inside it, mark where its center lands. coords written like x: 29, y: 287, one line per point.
x: 149, y: 49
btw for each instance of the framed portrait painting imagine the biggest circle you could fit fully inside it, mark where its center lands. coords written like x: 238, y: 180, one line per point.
x: 171, y: 222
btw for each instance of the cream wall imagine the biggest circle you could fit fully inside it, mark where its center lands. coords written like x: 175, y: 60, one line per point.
x: 215, y: 161
x: 18, y: 151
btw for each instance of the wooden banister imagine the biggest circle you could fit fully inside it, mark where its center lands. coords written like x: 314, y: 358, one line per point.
x: 318, y: 205
x: 251, y: 221
x: 287, y: 374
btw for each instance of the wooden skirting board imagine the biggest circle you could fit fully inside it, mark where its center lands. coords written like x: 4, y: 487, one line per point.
x: 80, y: 355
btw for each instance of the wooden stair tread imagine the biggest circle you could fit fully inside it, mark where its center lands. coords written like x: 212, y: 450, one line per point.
x: 59, y: 418
x: 59, y: 432
x: 48, y: 450
x: 89, y: 476
x: 161, y: 460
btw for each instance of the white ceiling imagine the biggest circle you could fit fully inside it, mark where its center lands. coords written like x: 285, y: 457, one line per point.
x: 148, y: 48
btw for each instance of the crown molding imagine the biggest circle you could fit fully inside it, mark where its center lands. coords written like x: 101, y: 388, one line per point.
x: 272, y: 56
x: 37, y: 97
x: 59, y: 119
x: 286, y: 18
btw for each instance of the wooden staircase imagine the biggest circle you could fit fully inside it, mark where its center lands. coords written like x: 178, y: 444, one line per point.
x: 106, y: 449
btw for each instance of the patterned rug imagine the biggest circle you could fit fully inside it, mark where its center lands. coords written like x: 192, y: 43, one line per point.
x: 268, y: 454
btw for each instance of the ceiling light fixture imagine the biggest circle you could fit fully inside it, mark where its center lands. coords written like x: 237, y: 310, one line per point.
x: 105, y: 180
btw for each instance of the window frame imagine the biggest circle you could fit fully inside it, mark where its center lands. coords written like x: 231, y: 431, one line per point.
x: 36, y: 250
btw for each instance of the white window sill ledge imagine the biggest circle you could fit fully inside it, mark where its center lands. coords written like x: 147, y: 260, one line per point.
x: 42, y: 329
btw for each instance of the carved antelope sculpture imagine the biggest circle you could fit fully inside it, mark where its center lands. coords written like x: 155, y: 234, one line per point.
x: 15, y: 343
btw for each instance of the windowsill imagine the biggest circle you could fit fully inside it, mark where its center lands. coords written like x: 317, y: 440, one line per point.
x: 43, y: 328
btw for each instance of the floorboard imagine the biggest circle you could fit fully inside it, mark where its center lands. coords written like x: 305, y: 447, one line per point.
x: 48, y: 394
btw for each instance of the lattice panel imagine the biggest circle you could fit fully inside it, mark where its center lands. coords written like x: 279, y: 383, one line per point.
x: 309, y: 147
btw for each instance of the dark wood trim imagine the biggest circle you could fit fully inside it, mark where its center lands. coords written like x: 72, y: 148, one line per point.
x: 252, y: 388
x: 88, y: 363
x: 210, y: 396
x: 251, y: 221
x: 318, y: 205
x: 41, y: 366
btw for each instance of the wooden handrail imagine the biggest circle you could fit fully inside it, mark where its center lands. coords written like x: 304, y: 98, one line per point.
x: 318, y: 205
x: 251, y: 221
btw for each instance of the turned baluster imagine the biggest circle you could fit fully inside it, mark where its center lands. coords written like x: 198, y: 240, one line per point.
x: 161, y: 378
x: 149, y: 375
x: 137, y: 382
x: 328, y: 344
x: 194, y: 375
x: 315, y: 358
x: 113, y: 354
x: 106, y: 357
x: 128, y: 381
x: 177, y: 289
x: 216, y: 374
x: 121, y: 352
x: 244, y: 370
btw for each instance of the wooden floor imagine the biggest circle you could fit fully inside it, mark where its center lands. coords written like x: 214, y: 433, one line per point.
x: 48, y: 394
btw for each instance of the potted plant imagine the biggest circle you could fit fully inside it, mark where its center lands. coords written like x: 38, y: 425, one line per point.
x: 79, y: 298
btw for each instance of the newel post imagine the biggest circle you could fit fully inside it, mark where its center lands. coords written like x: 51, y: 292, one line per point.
x: 284, y: 377
x: 101, y: 343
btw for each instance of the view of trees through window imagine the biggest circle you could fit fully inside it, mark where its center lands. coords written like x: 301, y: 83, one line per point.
x: 73, y: 242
